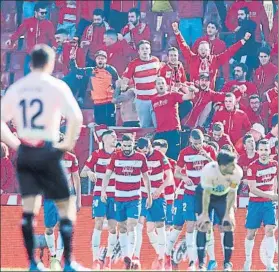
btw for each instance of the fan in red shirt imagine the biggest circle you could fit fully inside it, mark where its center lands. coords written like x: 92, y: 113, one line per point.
x: 169, y: 128
x: 93, y: 36
x: 8, y: 175
x: 204, y: 62
x: 217, y: 46
x: 272, y: 99
x: 236, y: 122
x: 173, y: 71
x: 240, y: 75
x: 202, y: 102
x: 264, y: 75
x: 246, y: 158
x: 118, y: 52
x: 258, y: 111
x: 218, y: 135
x: 135, y: 30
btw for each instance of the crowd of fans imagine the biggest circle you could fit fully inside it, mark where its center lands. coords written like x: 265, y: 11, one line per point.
x: 168, y: 65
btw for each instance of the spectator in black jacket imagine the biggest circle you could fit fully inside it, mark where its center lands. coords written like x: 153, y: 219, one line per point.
x: 248, y: 53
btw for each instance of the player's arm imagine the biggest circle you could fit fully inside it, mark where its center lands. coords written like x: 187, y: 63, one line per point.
x: 254, y: 190
x: 105, y: 185
x: 76, y: 182
x: 73, y: 115
x: 8, y: 137
x: 206, y: 183
x: 87, y: 172
x: 231, y: 199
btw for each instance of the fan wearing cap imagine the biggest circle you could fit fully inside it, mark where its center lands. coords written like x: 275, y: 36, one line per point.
x: 103, y: 78
x: 258, y: 133
x: 202, y: 102
x: 235, y: 121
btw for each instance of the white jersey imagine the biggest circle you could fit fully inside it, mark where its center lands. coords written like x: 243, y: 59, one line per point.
x: 212, y: 178
x: 36, y: 104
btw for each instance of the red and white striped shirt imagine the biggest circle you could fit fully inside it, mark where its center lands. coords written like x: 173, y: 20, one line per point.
x: 190, y: 159
x: 265, y: 176
x: 157, y: 164
x: 169, y: 190
x: 128, y: 174
x: 144, y: 74
x: 98, y: 162
x: 70, y: 162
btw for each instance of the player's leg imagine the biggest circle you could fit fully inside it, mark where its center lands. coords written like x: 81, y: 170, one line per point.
x: 98, y: 212
x: 253, y: 223
x: 112, y: 234
x: 139, y: 227
x: 201, y: 232
x: 169, y: 220
x: 269, y: 220
x: 133, y: 209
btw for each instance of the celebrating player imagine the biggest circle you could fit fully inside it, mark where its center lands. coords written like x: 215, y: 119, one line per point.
x: 161, y: 176
x: 51, y: 216
x: 129, y: 168
x: 36, y: 103
x: 217, y: 190
x: 193, y: 158
x: 95, y: 168
x: 262, y: 181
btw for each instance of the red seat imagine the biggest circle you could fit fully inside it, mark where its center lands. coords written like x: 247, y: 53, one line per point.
x: 87, y: 116
x: 17, y: 61
x: 9, y: 22
x: 18, y: 75
x: 5, y: 80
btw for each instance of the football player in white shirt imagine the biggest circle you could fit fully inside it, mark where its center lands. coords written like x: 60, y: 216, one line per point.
x: 36, y: 103
x: 218, y: 191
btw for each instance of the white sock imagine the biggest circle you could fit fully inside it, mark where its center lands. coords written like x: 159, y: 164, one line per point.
x: 132, y: 238
x: 222, y: 234
x: 123, y: 241
x: 172, y: 240
x: 270, y: 250
x: 50, y: 240
x: 139, y: 240
x: 112, y: 241
x: 153, y: 239
x: 168, y: 235
x: 249, y: 245
x: 161, y: 242
x: 210, y: 247
x: 95, y: 243
x: 60, y: 247
x: 191, y: 248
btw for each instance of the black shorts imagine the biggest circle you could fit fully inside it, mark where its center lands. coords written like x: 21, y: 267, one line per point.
x: 217, y: 203
x: 40, y: 171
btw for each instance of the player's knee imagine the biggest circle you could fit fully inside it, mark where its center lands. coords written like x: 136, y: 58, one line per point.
x: 112, y: 228
x: 99, y: 223
x: 150, y: 226
x: 190, y: 226
x: 269, y: 231
x: 49, y: 231
x: 228, y: 239
x: 178, y: 228
x: 251, y: 235
x: 227, y: 228
x: 122, y: 227
x: 159, y: 224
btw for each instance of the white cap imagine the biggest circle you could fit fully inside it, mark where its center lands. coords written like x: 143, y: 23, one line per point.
x: 259, y: 128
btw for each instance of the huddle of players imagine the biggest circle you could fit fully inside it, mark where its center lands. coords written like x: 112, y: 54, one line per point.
x: 132, y: 187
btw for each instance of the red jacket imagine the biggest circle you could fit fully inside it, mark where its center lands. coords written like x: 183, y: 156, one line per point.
x: 125, y: 6
x: 190, y: 9
x: 244, y: 101
x: 260, y: 116
x: 236, y: 123
x: 272, y: 99
x: 119, y: 55
x: 274, y: 31
x: 217, y: 46
x: 168, y: 72
x: 257, y: 14
x: 264, y: 77
x: 66, y: 14
x: 274, y: 54
x: 202, y: 98
x: 85, y: 8
x: 63, y: 59
x: 35, y: 32
x: 224, y: 140
x: 94, y: 34
x: 8, y: 176
x: 140, y: 32
x: 213, y: 61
